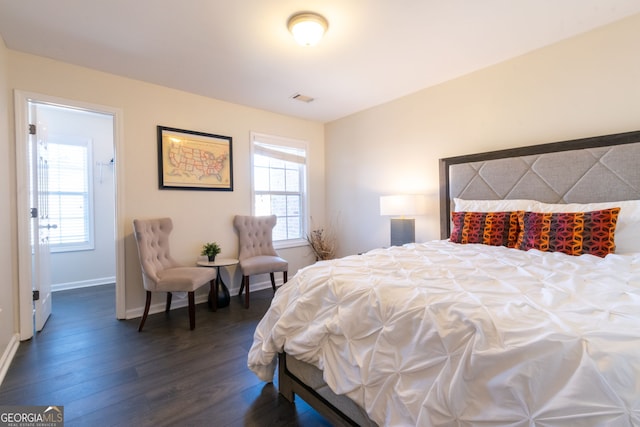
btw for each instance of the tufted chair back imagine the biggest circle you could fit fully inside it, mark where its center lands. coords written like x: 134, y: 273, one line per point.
x: 152, y: 237
x: 255, y: 235
x: 256, y: 252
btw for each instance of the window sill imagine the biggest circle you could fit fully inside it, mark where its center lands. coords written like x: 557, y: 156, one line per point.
x: 285, y: 244
x: 57, y: 249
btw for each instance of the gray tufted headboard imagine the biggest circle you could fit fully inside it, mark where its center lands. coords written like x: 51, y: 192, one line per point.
x: 598, y: 169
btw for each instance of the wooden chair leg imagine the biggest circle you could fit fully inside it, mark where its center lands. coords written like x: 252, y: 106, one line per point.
x: 147, y: 304
x: 192, y: 310
x: 284, y: 277
x: 273, y: 281
x: 245, y: 280
x: 168, y: 306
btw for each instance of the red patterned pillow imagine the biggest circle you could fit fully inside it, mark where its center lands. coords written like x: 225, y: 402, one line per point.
x: 574, y: 233
x: 489, y: 228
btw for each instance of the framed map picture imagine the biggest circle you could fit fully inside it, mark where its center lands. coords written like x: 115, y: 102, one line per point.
x: 190, y: 160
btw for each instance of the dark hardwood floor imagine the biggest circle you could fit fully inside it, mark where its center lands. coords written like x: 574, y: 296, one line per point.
x: 105, y: 373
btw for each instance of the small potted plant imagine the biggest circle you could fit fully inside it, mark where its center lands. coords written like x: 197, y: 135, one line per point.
x: 210, y: 250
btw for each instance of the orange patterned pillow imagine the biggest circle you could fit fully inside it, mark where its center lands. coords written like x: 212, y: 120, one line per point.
x: 574, y: 233
x: 489, y: 228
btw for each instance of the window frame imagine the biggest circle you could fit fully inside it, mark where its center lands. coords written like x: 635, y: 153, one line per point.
x: 89, y: 244
x: 257, y: 137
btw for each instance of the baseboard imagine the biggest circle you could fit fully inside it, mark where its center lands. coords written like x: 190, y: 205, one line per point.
x: 7, y: 355
x: 184, y: 302
x: 83, y: 283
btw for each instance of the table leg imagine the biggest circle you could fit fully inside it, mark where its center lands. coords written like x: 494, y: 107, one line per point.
x: 220, y: 292
x: 213, y: 290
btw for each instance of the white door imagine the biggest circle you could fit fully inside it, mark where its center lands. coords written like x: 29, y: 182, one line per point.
x: 40, y: 224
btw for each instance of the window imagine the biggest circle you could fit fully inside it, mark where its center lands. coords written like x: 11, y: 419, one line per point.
x: 280, y: 186
x: 69, y: 191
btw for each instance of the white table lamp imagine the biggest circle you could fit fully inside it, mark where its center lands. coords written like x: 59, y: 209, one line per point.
x: 403, y: 230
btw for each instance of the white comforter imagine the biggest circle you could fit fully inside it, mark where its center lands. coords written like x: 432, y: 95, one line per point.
x: 445, y: 334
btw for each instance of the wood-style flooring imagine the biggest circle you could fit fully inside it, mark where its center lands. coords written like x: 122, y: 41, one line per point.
x: 105, y: 373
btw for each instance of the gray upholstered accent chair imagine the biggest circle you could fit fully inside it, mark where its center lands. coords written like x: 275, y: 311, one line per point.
x: 256, y: 252
x: 162, y: 273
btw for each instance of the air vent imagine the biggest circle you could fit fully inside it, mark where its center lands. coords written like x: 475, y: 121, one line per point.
x: 303, y: 98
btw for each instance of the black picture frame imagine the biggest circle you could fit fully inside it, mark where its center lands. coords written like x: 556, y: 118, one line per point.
x: 191, y: 160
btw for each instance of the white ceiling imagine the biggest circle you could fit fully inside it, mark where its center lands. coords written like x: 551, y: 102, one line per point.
x: 240, y: 50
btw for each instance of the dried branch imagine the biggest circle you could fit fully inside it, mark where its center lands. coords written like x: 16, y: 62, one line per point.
x: 323, y: 244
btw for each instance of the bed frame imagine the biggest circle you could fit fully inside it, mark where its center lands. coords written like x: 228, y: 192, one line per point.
x: 598, y: 169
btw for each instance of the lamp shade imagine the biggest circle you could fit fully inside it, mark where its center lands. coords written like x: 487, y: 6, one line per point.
x: 403, y: 205
x: 307, y: 28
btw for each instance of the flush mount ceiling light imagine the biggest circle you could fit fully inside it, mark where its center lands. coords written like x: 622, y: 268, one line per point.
x: 307, y: 27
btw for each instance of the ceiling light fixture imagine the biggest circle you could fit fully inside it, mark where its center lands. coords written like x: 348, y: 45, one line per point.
x: 307, y: 27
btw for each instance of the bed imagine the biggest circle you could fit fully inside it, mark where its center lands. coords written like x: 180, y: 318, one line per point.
x: 506, y: 321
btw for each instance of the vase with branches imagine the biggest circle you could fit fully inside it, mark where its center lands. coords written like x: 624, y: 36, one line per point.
x: 323, y: 243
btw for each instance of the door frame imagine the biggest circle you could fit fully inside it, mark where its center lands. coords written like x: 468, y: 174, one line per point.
x: 21, y: 105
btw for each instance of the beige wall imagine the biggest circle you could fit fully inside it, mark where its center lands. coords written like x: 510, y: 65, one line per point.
x: 8, y: 280
x: 586, y: 86
x: 198, y: 216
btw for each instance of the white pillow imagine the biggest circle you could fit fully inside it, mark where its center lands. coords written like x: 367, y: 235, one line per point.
x: 462, y: 205
x: 627, y: 234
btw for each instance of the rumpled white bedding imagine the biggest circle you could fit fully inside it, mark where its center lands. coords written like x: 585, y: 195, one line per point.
x: 441, y: 334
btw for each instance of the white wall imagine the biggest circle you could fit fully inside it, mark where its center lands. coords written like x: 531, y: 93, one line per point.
x: 198, y: 216
x: 585, y: 86
x: 8, y: 262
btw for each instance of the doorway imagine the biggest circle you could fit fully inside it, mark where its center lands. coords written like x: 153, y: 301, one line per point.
x: 83, y: 246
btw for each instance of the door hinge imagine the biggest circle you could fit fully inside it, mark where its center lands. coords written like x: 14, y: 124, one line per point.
x: 32, y: 129
x: 36, y: 295
x: 34, y: 212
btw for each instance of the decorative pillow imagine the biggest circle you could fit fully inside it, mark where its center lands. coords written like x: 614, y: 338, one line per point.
x: 627, y: 227
x: 489, y: 228
x: 573, y: 233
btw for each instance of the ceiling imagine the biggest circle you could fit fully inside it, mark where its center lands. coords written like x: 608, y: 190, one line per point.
x: 241, y: 51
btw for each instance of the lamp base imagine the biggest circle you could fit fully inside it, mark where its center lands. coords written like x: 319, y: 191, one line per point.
x: 403, y: 230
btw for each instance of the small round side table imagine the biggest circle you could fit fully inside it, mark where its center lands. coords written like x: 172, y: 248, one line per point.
x: 223, y: 297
